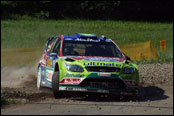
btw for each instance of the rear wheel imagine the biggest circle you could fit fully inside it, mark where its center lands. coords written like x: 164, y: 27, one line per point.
x: 55, y: 85
x: 39, y: 78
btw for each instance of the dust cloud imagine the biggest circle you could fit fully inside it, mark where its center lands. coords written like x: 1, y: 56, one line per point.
x: 15, y: 77
x: 19, y: 66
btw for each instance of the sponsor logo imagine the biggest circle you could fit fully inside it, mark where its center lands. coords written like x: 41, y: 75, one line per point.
x: 101, y: 64
x: 74, y: 75
x: 49, y: 75
x: 100, y: 59
x: 72, y: 89
x: 71, y: 81
x: 79, y: 89
x: 62, y: 88
x: 88, y: 39
x: 104, y: 74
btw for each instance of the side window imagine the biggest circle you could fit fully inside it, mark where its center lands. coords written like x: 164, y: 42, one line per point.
x: 56, y: 48
x: 49, y: 44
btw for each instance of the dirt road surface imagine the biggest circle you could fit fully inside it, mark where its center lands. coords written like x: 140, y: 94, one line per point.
x: 156, y: 91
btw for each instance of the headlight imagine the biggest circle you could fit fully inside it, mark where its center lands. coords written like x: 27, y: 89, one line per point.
x: 74, y: 68
x: 127, y: 70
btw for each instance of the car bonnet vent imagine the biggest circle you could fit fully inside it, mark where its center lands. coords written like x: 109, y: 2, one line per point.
x: 69, y: 60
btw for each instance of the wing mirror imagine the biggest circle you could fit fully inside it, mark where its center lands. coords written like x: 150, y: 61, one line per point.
x: 128, y: 58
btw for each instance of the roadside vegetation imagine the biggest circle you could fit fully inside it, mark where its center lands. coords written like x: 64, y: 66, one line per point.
x: 5, y: 101
x: 29, y: 32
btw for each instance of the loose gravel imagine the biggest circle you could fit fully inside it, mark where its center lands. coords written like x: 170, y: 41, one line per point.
x: 156, y: 74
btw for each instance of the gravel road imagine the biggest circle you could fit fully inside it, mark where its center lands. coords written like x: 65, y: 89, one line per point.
x: 157, y: 95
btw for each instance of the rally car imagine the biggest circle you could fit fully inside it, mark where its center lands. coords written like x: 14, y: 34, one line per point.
x: 86, y: 63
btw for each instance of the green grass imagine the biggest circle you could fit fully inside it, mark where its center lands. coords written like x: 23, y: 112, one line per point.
x: 34, y: 33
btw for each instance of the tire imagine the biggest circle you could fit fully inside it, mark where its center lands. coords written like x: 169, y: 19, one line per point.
x: 55, y: 85
x: 39, y: 79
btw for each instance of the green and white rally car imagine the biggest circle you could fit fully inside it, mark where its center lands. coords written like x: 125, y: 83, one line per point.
x: 86, y: 63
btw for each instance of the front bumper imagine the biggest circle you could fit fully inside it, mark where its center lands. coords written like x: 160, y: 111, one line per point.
x: 109, y: 85
x: 128, y: 91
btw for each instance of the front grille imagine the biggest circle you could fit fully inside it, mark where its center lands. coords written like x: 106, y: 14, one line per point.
x: 102, y: 69
x: 103, y: 83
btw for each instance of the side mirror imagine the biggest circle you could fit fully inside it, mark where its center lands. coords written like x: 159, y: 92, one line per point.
x: 128, y: 58
x: 53, y: 54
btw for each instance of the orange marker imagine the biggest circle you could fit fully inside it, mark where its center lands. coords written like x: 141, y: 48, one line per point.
x: 163, y: 45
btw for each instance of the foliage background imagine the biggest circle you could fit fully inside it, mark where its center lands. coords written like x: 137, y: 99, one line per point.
x: 113, y: 10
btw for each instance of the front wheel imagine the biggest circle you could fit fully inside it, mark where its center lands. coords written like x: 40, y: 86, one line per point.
x: 55, y: 85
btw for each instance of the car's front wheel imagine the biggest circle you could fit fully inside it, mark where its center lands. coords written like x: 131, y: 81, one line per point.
x: 55, y: 85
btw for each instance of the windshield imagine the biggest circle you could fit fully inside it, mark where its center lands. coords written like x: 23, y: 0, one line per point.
x: 84, y: 48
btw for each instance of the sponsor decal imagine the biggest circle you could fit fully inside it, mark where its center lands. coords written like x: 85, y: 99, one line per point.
x: 79, y: 89
x: 100, y: 59
x: 71, y: 81
x: 94, y: 58
x: 101, y: 64
x: 44, y: 58
x: 88, y: 39
x: 49, y: 63
x: 62, y: 88
x: 71, y: 89
x: 74, y: 75
x: 49, y: 75
x: 104, y: 74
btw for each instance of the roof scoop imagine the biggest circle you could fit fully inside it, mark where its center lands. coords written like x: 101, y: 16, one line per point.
x: 86, y: 36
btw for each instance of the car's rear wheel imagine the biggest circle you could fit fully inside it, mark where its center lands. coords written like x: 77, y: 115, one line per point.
x: 55, y: 85
x: 39, y: 78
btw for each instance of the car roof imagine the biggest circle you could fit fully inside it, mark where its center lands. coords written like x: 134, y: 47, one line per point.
x: 85, y: 37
